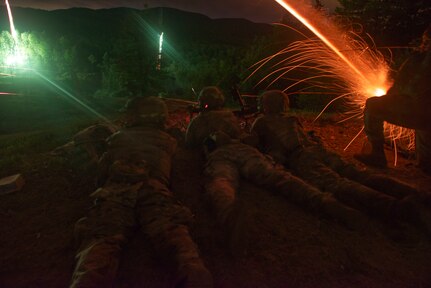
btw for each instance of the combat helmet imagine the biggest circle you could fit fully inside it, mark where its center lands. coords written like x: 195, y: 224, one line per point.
x: 152, y: 110
x: 274, y: 101
x: 211, y: 98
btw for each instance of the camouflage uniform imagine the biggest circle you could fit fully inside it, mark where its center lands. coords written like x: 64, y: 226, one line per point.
x: 92, y: 139
x: 283, y: 137
x: 137, y: 171
x: 232, y: 159
x: 406, y: 104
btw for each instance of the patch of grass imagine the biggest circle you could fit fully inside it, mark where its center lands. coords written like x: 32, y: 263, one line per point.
x: 24, y: 152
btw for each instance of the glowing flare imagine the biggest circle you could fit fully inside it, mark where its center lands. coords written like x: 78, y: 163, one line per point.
x: 318, y: 34
x: 379, y: 92
x: 159, y: 56
x: 15, y: 59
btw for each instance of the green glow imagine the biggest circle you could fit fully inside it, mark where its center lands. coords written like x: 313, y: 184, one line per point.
x: 15, y: 59
x: 70, y: 96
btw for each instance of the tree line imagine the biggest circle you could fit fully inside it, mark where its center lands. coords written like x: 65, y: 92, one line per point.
x: 120, y: 60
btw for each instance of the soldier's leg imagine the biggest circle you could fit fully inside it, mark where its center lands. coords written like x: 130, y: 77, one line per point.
x: 381, y: 183
x: 101, y: 236
x: 221, y: 185
x: 343, y: 167
x: 383, y: 196
x: 362, y: 197
x: 415, y: 209
x: 222, y: 181
x: 351, y: 193
x: 165, y: 221
x: 374, y: 113
x: 379, y: 204
x: 387, y: 185
x: 261, y: 171
x: 391, y: 109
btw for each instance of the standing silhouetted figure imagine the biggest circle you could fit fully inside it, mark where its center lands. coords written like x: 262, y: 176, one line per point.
x: 407, y: 104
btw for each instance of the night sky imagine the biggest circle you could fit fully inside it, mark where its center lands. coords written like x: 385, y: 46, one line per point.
x: 255, y: 10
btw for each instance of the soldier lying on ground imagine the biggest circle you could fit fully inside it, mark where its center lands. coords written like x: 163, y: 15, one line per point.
x: 283, y: 138
x: 217, y: 131
x: 136, y: 173
x: 92, y: 139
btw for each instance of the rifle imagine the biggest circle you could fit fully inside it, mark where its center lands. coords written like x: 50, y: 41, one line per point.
x: 175, y: 104
x: 248, y: 105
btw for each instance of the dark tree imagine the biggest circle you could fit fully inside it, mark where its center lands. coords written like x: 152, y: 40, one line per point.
x: 394, y: 22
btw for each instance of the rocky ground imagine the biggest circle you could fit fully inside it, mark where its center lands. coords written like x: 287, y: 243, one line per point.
x: 287, y: 246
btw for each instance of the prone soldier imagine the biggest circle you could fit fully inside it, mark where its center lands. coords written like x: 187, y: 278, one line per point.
x: 135, y: 175
x: 228, y: 159
x: 283, y: 138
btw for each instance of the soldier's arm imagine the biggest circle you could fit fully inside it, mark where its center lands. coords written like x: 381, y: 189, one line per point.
x: 256, y: 133
x: 103, y: 169
x: 190, y: 138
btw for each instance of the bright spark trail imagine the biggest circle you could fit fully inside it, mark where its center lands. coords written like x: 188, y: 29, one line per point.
x: 372, y: 87
x: 318, y: 34
x: 7, y: 93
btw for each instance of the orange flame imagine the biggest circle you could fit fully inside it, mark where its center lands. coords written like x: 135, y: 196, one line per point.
x: 372, y: 86
x: 366, y: 74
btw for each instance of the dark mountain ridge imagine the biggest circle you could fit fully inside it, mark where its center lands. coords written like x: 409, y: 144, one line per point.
x: 107, y: 24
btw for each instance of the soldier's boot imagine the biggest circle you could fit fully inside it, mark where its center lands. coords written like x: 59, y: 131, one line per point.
x: 236, y: 229
x: 193, y: 275
x: 350, y: 217
x: 414, y: 210
x: 388, y: 185
x: 97, y: 263
x: 230, y: 215
x: 191, y: 271
x: 372, y: 156
x: 315, y: 200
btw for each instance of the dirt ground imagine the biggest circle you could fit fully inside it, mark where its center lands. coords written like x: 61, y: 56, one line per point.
x: 287, y: 247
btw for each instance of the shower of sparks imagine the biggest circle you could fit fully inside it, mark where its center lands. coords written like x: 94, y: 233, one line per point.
x: 339, y: 62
